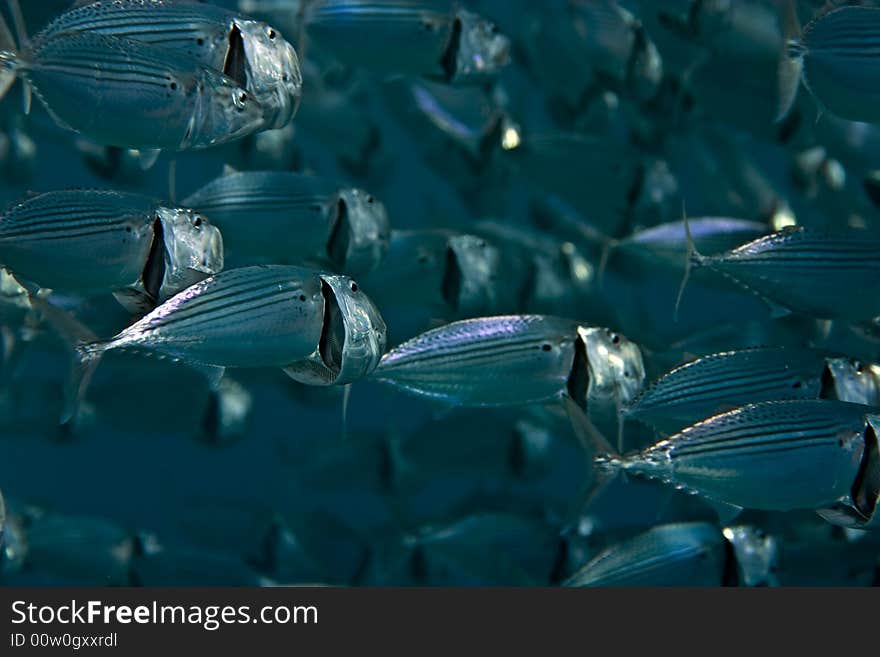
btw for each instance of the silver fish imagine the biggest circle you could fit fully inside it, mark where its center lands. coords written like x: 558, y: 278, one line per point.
x: 131, y: 94
x: 516, y: 359
x: 718, y: 382
x: 683, y: 554
x: 775, y: 456
x: 432, y: 38
x: 290, y: 217
x: 817, y: 272
x: 252, y: 53
x: 320, y: 328
x: 835, y: 57
x: 95, y: 241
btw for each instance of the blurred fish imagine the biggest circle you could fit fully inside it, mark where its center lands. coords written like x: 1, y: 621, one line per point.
x: 686, y: 554
x: 83, y: 550
x: 319, y: 328
x: 284, y: 217
x: 517, y: 359
x: 777, y: 455
x: 579, y: 46
x: 667, y: 243
x: 437, y: 273
x: 129, y: 93
x: 723, y: 381
x: 834, y: 57
x: 432, y: 38
x: 94, y: 241
x: 251, y: 53
x: 817, y: 272
x: 187, y: 566
x: 484, y: 550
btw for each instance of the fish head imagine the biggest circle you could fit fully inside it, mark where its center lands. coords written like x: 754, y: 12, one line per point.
x: 481, y: 49
x: 615, y: 370
x: 757, y: 554
x: 273, y: 72
x: 361, y: 232
x: 193, y: 249
x: 861, y: 508
x: 470, y: 273
x: 224, y: 111
x: 852, y: 380
x: 353, y: 336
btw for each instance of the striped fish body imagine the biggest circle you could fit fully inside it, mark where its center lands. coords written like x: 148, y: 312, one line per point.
x: 492, y: 361
x: 841, y: 62
x: 408, y: 37
x: 775, y: 456
x: 681, y: 554
x: 252, y: 53
x: 727, y: 380
x: 264, y: 316
x: 79, y: 241
x: 667, y: 243
x: 820, y: 274
x: 287, y: 217
x: 130, y: 94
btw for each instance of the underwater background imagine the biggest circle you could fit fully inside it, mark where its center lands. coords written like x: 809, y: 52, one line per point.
x: 610, y: 117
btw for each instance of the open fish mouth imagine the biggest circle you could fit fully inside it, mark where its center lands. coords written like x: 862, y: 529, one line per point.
x: 361, y: 232
x: 353, y: 336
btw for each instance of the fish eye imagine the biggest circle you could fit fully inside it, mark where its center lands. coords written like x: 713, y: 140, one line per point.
x: 242, y: 97
x: 200, y: 41
x: 302, y: 297
x: 370, y: 200
x: 354, y: 286
x: 858, y: 366
x: 271, y: 33
x: 198, y: 222
x: 615, y: 339
x: 546, y: 346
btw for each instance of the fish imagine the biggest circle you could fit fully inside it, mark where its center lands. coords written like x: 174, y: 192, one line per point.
x: 686, y: 554
x: 578, y: 47
x: 680, y: 554
x: 804, y: 270
x: 325, y: 220
x: 483, y: 549
x: 430, y: 38
x: 320, y: 328
x: 102, y: 241
x: 439, y: 272
x: 253, y: 54
x: 774, y: 456
x: 537, y: 357
x: 131, y: 94
x: 833, y: 56
x: 667, y: 243
x: 723, y: 381
x: 80, y: 549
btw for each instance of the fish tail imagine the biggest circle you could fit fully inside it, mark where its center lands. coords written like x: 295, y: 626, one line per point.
x: 791, y: 60
x: 693, y: 259
x: 607, y: 247
x: 87, y: 350
x: 606, y: 460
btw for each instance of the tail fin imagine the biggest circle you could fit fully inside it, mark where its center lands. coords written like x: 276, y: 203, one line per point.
x: 8, y: 58
x: 23, y: 40
x: 606, y: 459
x: 87, y: 351
x: 694, y: 259
x: 791, y: 60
